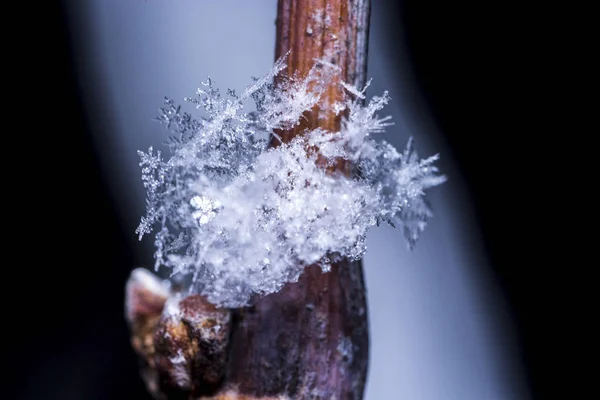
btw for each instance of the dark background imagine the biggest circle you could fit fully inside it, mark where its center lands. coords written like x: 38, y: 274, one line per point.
x: 478, y: 68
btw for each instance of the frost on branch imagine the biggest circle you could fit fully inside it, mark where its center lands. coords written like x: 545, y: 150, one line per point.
x: 242, y: 218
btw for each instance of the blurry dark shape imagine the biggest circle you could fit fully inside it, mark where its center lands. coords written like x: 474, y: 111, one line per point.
x: 475, y: 65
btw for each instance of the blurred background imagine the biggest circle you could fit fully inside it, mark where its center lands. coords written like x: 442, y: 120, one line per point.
x: 460, y: 317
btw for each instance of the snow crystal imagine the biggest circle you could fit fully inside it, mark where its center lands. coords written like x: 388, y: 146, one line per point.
x: 244, y: 219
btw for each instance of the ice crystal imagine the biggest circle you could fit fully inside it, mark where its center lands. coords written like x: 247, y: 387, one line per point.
x: 244, y: 219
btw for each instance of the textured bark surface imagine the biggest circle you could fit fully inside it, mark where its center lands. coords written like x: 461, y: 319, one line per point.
x: 309, y: 340
x: 335, y: 31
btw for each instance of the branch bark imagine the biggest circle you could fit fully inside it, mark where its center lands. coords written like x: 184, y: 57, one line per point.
x: 307, y: 341
x: 310, y: 340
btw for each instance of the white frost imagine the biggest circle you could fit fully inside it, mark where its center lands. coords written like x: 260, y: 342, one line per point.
x: 242, y: 218
x: 180, y: 369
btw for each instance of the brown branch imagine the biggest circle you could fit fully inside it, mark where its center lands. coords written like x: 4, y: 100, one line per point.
x: 310, y: 340
x: 307, y: 341
x: 335, y: 31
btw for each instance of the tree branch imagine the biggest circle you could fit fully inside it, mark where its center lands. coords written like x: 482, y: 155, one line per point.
x: 310, y: 339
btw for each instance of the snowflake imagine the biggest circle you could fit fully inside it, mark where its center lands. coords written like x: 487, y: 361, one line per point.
x: 245, y: 219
